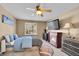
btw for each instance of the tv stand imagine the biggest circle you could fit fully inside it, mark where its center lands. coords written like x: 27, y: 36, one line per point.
x: 55, y: 38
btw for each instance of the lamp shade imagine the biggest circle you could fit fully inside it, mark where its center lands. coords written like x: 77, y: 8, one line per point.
x: 38, y: 12
x: 67, y: 25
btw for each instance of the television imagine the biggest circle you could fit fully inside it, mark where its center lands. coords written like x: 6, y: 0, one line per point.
x: 53, y: 25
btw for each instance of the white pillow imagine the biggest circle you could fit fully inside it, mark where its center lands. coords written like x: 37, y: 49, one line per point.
x: 12, y: 43
x: 7, y: 38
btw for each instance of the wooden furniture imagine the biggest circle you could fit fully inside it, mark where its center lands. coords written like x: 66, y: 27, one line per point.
x: 55, y: 38
x: 70, y: 46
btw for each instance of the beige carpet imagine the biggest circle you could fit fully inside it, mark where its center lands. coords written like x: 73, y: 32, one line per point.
x: 34, y: 51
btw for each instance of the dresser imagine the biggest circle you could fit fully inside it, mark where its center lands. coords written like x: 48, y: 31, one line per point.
x: 70, y: 47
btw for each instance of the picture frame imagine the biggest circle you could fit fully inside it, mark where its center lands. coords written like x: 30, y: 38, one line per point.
x: 30, y: 29
x: 7, y: 20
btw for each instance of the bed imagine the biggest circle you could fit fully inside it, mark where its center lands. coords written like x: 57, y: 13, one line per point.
x: 39, y: 47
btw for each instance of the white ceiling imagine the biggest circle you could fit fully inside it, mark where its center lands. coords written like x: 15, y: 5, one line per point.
x: 20, y: 12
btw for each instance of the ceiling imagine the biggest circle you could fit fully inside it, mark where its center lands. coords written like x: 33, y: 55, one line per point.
x: 20, y: 12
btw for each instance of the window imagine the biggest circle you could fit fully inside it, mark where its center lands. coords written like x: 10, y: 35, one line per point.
x: 30, y: 29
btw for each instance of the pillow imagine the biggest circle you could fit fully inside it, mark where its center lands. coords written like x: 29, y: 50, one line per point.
x: 15, y: 36
x: 12, y: 43
x: 11, y: 38
x: 7, y: 38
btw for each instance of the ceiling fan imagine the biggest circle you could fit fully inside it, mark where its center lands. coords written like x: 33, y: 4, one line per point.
x: 40, y: 10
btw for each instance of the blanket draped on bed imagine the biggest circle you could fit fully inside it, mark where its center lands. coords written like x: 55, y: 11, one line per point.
x: 23, y: 42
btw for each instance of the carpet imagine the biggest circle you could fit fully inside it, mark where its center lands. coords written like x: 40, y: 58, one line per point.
x: 34, y: 51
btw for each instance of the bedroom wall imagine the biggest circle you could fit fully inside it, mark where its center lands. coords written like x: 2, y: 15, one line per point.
x: 73, y: 18
x: 5, y: 28
x: 20, y: 27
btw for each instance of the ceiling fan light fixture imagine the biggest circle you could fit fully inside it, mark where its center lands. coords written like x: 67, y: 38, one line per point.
x: 38, y: 12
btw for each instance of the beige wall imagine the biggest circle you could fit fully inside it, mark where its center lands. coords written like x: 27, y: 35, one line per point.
x: 4, y: 28
x: 73, y: 18
x: 21, y: 23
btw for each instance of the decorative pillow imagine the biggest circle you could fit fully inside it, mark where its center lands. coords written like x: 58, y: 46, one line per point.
x: 7, y: 38
x: 15, y: 36
x: 12, y: 43
x: 11, y: 38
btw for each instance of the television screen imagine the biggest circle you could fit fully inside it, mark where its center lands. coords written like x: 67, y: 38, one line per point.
x: 53, y: 25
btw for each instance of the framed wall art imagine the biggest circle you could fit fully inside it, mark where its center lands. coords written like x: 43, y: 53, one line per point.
x: 30, y: 29
x: 7, y: 20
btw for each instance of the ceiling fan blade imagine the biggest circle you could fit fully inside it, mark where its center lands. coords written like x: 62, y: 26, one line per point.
x: 30, y: 9
x: 48, y: 10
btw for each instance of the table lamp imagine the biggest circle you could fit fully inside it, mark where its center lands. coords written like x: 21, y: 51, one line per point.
x: 68, y: 26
